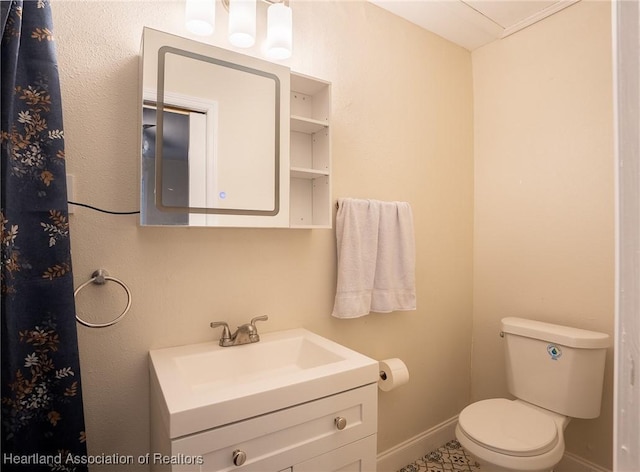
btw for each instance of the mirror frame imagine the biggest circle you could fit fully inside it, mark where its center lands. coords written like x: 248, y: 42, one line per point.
x: 160, y: 104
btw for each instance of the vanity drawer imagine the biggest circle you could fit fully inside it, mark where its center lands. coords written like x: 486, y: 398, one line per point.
x: 359, y: 456
x: 281, y: 439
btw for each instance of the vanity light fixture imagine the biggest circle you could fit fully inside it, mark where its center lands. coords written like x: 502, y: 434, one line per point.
x: 200, y: 20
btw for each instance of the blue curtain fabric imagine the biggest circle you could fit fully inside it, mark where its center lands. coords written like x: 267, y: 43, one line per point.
x: 42, y: 413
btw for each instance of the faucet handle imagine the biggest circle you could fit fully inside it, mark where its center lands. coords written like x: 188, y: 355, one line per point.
x: 226, y: 334
x: 254, y: 336
x: 258, y: 318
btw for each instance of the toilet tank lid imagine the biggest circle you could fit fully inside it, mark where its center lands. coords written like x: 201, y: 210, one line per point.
x: 563, y: 335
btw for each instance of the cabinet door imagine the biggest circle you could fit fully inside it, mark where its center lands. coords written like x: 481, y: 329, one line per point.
x: 359, y: 456
x: 215, y: 136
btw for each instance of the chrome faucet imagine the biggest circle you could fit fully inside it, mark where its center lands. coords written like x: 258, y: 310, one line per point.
x: 245, y: 334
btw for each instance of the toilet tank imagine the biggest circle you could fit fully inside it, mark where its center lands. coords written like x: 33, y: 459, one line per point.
x: 555, y: 367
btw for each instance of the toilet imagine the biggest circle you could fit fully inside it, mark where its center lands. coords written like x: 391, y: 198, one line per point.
x: 555, y: 373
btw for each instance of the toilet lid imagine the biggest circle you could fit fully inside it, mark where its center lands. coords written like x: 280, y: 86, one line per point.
x: 509, y: 427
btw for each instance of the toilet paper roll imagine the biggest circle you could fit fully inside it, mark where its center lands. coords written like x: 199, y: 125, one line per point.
x: 393, y: 373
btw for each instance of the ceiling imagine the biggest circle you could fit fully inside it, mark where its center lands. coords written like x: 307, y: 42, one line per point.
x: 473, y: 23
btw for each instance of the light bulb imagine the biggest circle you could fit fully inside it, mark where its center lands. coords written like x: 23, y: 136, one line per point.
x: 242, y: 23
x: 200, y: 16
x: 279, y: 31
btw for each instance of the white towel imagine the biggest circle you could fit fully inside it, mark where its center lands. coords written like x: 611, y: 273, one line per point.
x: 376, y: 258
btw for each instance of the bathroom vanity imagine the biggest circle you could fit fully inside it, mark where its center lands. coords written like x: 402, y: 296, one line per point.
x: 294, y: 401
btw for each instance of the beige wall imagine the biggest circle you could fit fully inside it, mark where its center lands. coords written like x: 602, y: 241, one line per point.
x: 402, y: 130
x: 544, y: 214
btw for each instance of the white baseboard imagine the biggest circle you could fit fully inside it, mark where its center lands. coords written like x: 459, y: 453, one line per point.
x: 398, y: 456
x: 413, y: 448
x: 572, y: 463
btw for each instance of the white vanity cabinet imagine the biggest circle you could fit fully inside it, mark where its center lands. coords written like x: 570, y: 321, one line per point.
x: 334, y: 433
x: 310, y: 153
x: 294, y: 401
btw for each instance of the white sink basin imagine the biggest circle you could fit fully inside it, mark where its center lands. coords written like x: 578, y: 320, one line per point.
x: 202, y: 386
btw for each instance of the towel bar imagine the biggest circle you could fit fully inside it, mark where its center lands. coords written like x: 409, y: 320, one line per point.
x: 100, y: 277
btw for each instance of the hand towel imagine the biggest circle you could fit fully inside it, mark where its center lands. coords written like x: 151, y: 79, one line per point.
x: 376, y: 258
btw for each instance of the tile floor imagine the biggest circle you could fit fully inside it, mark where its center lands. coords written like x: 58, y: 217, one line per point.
x: 448, y: 458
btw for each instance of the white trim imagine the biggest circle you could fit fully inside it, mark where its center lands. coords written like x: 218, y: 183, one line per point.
x: 413, y: 448
x: 409, y: 451
x: 572, y: 463
x: 625, y: 25
x: 182, y: 100
x: 203, y: 173
x: 538, y: 16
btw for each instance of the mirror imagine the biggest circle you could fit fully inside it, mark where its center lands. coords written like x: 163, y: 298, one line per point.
x: 212, y: 135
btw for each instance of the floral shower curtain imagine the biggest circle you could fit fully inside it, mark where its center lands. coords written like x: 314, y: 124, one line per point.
x: 42, y: 414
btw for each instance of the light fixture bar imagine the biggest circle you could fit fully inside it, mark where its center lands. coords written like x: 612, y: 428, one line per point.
x: 225, y: 3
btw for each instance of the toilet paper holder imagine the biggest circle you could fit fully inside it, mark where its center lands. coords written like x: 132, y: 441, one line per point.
x: 392, y: 374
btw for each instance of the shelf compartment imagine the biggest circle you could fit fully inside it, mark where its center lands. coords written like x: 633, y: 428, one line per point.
x: 310, y: 98
x: 309, y: 199
x: 310, y: 150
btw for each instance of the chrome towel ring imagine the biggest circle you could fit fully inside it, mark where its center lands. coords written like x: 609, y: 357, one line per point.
x: 101, y: 277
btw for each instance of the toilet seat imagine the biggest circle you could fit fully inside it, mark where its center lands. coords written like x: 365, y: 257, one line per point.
x: 509, y: 427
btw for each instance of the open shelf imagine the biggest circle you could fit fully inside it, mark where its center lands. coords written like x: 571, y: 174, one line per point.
x: 307, y: 125
x: 306, y: 173
x: 310, y: 153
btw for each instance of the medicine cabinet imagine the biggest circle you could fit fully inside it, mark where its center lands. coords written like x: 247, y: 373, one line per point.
x: 230, y: 140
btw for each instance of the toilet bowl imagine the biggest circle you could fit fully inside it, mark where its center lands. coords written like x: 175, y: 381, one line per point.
x: 512, y: 435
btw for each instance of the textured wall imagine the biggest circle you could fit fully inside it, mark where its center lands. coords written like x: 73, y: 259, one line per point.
x: 402, y: 130
x: 544, y: 209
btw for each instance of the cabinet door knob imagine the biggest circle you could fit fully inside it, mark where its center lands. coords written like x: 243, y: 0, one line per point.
x: 341, y: 422
x: 239, y: 457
